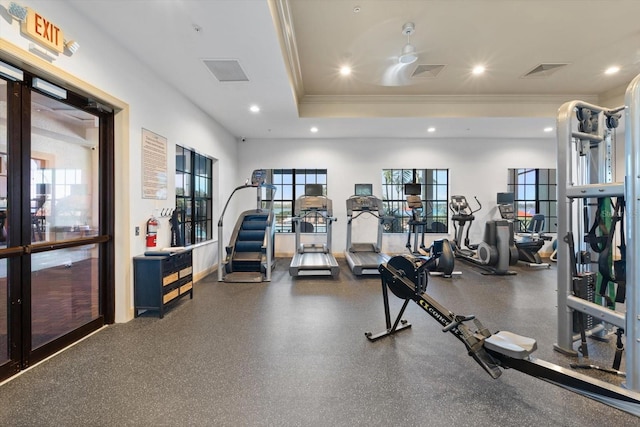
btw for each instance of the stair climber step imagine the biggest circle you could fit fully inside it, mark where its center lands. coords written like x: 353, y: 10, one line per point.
x: 246, y: 266
x: 254, y: 225
x: 248, y: 253
x: 246, y: 261
x: 250, y: 246
x: 248, y: 235
x: 262, y: 217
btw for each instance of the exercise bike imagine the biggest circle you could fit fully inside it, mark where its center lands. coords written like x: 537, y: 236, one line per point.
x: 496, y: 252
x: 441, y: 257
x: 406, y: 277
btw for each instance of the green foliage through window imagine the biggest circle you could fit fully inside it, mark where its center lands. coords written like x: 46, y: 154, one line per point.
x: 434, y: 193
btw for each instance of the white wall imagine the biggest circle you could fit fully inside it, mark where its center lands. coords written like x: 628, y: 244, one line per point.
x: 477, y: 167
x: 152, y: 105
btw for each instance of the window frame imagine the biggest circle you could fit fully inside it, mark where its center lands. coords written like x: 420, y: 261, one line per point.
x: 293, y: 186
x: 194, y: 196
x: 431, y: 194
x: 535, y: 191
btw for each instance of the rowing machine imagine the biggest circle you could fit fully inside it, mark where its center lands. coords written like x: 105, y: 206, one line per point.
x: 406, y: 277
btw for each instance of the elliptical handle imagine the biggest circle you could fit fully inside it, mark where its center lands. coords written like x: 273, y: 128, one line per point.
x: 479, y: 205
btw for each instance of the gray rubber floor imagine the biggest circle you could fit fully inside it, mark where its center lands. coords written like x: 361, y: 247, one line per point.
x: 293, y: 353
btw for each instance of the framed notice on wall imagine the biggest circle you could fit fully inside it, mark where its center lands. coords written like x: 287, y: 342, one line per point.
x: 154, y: 166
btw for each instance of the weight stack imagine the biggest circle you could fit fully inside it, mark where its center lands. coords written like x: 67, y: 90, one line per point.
x: 584, y: 287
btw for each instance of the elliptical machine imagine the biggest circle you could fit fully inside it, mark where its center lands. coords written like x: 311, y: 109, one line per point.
x: 439, y: 257
x: 529, y: 240
x: 496, y: 252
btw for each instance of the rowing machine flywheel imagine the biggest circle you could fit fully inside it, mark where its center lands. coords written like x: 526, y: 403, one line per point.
x: 408, y: 268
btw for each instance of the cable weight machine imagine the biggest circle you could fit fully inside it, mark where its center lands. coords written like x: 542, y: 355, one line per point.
x: 601, y: 216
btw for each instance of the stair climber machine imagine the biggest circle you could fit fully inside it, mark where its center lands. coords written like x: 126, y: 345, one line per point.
x: 249, y: 257
x: 442, y: 258
x: 530, y: 239
x: 496, y: 252
x: 313, y: 259
x: 364, y: 258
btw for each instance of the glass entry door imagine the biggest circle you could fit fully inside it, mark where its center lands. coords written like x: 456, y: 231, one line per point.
x: 63, y: 206
x: 55, y: 227
x: 4, y: 289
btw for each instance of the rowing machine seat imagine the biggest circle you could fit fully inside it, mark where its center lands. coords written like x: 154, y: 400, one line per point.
x: 510, y: 344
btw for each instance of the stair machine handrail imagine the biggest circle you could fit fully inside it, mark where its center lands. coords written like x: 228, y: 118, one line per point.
x: 268, y: 241
x: 268, y: 244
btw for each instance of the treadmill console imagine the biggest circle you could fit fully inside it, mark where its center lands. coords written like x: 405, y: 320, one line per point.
x: 363, y: 203
x: 363, y: 190
x: 313, y: 203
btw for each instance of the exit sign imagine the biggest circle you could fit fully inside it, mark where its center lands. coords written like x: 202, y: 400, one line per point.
x: 43, y: 31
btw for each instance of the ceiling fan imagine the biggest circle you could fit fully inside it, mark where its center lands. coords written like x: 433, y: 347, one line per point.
x: 398, y: 72
x: 409, y: 55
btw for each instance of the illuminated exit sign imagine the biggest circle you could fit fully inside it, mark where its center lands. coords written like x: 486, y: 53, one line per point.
x: 43, y: 31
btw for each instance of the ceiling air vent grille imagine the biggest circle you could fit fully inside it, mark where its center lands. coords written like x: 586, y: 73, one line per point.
x: 544, y: 70
x: 226, y: 70
x: 427, y: 70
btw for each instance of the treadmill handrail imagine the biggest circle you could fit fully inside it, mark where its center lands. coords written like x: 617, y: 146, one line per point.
x: 307, y: 213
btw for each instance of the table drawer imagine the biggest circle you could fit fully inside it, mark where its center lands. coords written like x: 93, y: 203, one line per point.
x: 169, y: 279
x: 186, y: 287
x: 186, y: 271
x: 170, y: 295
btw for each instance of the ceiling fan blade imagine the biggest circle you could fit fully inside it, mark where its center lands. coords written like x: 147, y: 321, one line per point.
x: 397, y: 75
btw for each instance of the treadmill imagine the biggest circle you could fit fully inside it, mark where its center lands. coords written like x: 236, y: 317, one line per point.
x: 313, y: 259
x: 364, y: 258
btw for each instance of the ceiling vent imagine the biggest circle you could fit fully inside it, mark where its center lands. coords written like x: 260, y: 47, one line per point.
x: 226, y: 70
x: 543, y: 71
x: 427, y: 70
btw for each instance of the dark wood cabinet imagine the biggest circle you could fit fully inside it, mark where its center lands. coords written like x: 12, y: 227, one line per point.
x: 161, y: 279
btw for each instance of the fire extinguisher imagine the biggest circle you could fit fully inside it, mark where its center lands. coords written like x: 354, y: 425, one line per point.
x: 152, y: 232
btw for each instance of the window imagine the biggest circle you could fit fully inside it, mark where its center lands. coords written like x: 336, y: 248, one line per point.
x: 194, y: 199
x: 290, y: 185
x: 434, y: 192
x: 535, y: 192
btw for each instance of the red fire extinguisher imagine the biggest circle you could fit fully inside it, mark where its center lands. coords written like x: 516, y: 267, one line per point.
x: 152, y: 232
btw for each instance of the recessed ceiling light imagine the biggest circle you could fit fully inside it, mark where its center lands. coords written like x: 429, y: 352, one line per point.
x: 431, y: 129
x: 548, y: 129
x: 314, y: 129
x: 478, y: 69
x: 254, y: 109
x: 612, y: 70
x: 345, y: 70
